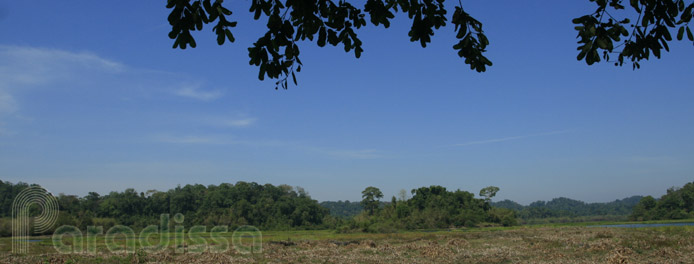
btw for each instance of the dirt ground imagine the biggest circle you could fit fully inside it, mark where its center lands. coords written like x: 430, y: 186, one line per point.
x: 521, y: 245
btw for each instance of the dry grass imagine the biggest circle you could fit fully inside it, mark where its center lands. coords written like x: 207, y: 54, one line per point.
x: 520, y: 245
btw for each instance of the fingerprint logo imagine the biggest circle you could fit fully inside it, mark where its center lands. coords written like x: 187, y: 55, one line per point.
x: 21, y: 212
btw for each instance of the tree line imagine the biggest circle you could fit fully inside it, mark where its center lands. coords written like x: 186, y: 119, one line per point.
x: 343, y: 209
x: 432, y: 207
x: 267, y: 207
x: 677, y: 203
x: 264, y: 206
x: 284, y: 207
x: 556, y: 210
x: 569, y: 210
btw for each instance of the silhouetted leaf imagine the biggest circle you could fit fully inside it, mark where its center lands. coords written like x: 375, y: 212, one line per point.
x: 229, y: 35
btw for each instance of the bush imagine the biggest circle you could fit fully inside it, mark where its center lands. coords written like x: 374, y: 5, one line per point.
x: 106, y: 223
x: 382, y: 228
x: 509, y: 221
x: 503, y: 216
x: 5, y: 227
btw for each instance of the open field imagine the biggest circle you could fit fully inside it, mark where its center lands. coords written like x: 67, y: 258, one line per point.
x: 543, y: 244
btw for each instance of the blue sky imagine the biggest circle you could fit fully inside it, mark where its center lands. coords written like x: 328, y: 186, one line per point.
x: 93, y: 98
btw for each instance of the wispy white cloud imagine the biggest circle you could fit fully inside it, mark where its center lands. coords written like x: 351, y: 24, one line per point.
x: 496, y: 140
x: 209, y: 140
x: 487, y: 141
x: 7, y: 103
x: 22, y: 67
x: 214, y: 140
x: 25, y: 68
x: 242, y: 122
x: 26, y: 71
x: 197, y: 93
x: 354, y: 154
x: 4, y: 130
x: 237, y: 122
x: 651, y: 159
x: 301, y: 147
x: 7, y: 107
x: 33, y: 66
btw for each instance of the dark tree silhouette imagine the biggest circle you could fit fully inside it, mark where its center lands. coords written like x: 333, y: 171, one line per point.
x: 328, y: 22
x: 648, y: 32
x: 325, y: 22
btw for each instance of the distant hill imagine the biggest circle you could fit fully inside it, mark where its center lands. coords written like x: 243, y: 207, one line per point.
x: 565, y: 207
x: 342, y: 209
x: 557, y: 207
x: 508, y: 204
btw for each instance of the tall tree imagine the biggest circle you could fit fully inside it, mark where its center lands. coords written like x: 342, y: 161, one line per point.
x: 489, y: 192
x: 370, y: 196
x: 402, y: 195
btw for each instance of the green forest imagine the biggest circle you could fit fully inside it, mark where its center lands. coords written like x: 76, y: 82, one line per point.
x: 569, y: 210
x: 264, y: 206
x: 284, y: 207
x: 677, y: 203
x: 557, y: 209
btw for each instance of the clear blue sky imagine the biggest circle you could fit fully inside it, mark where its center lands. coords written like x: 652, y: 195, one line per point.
x: 93, y: 98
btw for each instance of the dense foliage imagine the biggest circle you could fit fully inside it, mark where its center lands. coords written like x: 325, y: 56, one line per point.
x: 276, y: 52
x: 430, y: 208
x: 569, y: 208
x: 633, y: 33
x: 264, y: 206
x: 284, y: 207
x: 645, y: 29
x: 677, y: 203
x: 343, y: 209
x: 7, y: 193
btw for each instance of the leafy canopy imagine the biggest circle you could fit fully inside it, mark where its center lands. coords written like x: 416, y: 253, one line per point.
x: 336, y: 23
x: 371, y: 196
x: 325, y: 22
x: 489, y: 192
x: 648, y: 34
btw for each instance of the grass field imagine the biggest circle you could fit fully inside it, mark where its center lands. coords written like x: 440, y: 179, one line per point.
x: 526, y: 244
